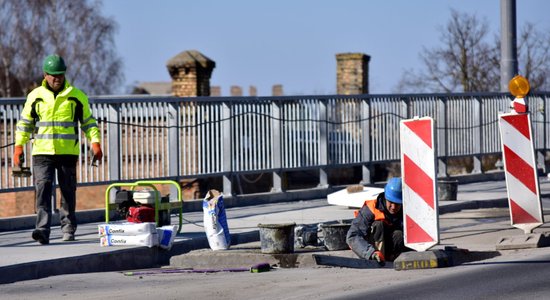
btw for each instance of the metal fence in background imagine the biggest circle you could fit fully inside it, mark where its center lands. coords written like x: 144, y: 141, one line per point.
x: 148, y: 137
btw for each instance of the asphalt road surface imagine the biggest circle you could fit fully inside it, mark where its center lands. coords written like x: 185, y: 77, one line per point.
x: 515, y: 274
x: 527, y: 278
x: 521, y: 276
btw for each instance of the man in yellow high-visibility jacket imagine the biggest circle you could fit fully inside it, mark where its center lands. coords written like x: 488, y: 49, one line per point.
x: 52, y: 112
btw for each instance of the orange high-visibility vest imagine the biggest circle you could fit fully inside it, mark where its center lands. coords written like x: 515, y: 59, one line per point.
x: 378, y: 214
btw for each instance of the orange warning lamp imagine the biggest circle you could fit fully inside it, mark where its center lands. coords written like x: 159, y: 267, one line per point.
x: 519, y: 87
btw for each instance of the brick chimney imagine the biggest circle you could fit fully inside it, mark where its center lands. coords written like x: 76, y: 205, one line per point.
x: 190, y: 72
x: 215, y: 91
x: 277, y: 90
x: 352, y: 73
x: 236, y: 91
x: 252, y: 91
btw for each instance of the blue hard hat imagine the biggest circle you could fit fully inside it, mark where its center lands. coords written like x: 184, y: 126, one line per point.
x: 393, y: 190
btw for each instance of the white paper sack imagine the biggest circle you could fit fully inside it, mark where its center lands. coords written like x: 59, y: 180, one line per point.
x: 214, y: 233
x: 214, y: 221
x: 149, y: 240
x: 127, y: 229
x: 166, y: 236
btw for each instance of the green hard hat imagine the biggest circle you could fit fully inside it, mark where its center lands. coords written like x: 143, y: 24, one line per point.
x: 54, y: 65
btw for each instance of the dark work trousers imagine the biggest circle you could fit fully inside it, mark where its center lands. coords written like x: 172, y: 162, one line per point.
x: 391, y: 237
x: 44, y: 167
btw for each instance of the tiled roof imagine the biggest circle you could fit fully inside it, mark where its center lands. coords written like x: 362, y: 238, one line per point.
x: 156, y: 88
x: 190, y: 58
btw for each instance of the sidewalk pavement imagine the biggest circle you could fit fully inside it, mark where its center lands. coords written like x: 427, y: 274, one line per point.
x: 21, y: 258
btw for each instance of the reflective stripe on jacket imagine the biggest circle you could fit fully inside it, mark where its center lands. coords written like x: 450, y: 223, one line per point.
x: 54, y: 120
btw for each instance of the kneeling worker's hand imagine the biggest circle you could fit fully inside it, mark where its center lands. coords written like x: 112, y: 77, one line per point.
x: 379, y: 257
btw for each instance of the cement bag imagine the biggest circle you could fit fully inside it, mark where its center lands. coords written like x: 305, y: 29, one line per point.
x: 215, y: 221
x: 149, y: 240
x: 126, y: 228
x: 166, y: 236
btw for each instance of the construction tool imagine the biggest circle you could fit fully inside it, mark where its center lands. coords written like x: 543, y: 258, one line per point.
x: 158, y: 204
x: 356, y: 188
x: 93, y: 160
x: 19, y: 170
x: 262, y: 267
x: 346, y: 262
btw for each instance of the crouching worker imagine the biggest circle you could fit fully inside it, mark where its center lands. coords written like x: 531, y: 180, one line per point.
x: 376, y: 233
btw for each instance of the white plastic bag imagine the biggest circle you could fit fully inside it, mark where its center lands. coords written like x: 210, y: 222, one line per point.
x: 215, y: 221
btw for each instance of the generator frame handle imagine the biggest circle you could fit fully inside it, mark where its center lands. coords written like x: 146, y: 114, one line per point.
x: 148, y: 183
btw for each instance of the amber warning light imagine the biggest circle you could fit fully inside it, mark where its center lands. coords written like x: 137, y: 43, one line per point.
x: 519, y: 87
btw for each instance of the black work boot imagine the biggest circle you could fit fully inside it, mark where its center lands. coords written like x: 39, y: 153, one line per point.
x: 68, y: 237
x: 39, y: 236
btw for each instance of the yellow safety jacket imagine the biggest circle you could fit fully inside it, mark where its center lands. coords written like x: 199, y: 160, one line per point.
x: 54, y: 120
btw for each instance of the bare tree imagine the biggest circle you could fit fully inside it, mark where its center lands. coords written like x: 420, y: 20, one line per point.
x: 534, y: 57
x: 33, y: 29
x: 464, y: 63
x: 467, y: 63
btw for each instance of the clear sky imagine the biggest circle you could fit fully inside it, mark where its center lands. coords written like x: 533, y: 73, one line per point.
x: 292, y: 42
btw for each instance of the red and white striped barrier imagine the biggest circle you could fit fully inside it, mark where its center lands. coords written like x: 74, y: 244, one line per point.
x: 420, y: 205
x: 521, y: 172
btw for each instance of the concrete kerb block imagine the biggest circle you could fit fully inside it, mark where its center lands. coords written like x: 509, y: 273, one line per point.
x: 346, y: 262
x: 206, y: 258
x: 440, y: 258
x: 241, y: 257
x: 525, y: 241
x: 422, y: 260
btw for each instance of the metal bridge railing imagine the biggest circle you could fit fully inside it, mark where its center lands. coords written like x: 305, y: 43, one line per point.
x: 147, y: 137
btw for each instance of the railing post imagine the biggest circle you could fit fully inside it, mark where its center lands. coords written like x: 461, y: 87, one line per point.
x: 323, y: 144
x: 276, y: 144
x: 479, y: 145
x: 442, y: 137
x: 365, y: 142
x: 545, y: 128
x: 53, y: 198
x: 113, y: 151
x: 544, y: 133
x: 173, y: 140
x: 227, y: 149
x: 539, y: 131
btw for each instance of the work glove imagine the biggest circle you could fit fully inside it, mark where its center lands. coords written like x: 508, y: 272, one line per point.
x: 96, y: 149
x: 379, y: 257
x: 18, y: 155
